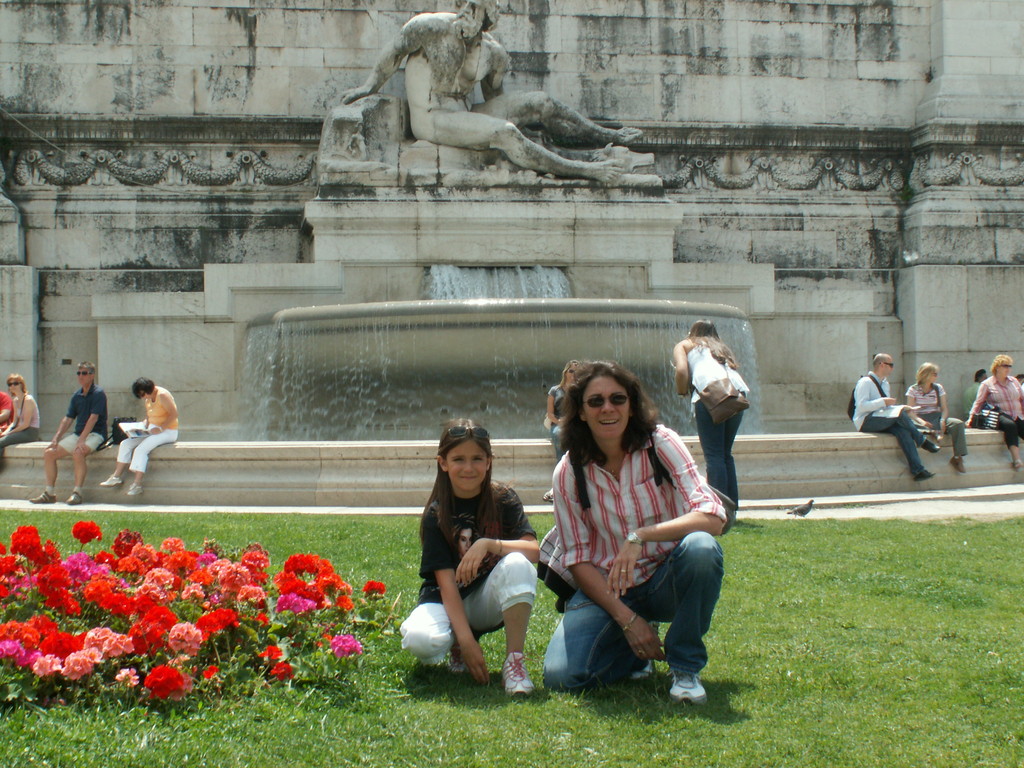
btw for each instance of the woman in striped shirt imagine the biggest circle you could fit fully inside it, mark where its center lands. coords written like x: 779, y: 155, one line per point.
x: 641, y: 551
x: 1004, y: 392
x: 929, y: 398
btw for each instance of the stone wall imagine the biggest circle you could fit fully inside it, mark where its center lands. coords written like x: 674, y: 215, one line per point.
x: 845, y: 172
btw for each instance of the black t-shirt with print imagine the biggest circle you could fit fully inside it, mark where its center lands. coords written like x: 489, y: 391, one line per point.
x: 438, y: 556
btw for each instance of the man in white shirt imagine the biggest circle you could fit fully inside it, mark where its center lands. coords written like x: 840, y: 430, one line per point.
x: 871, y: 396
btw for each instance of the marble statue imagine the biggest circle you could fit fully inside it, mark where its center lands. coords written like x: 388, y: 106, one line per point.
x: 447, y: 55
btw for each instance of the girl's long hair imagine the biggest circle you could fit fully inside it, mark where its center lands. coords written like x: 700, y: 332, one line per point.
x: 487, y: 520
x: 577, y: 439
x: 704, y: 334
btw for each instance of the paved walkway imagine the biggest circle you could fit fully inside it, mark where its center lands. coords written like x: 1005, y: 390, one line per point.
x: 986, y: 503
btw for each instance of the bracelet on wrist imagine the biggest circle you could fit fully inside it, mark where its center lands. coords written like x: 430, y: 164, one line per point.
x: 629, y: 624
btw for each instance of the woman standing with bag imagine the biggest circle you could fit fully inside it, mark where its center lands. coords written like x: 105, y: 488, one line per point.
x: 700, y: 359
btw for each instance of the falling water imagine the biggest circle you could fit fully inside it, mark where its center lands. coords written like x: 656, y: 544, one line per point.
x: 444, y: 281
x: 400, y: 370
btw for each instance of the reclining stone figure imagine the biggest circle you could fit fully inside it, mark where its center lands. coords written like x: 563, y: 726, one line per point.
x: 447, y: 55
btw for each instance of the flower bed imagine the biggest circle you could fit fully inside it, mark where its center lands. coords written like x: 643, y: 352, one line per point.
x: 144, y: 624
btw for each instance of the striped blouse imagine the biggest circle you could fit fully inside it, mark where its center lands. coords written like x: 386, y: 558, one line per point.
x: 633, y: 501
x: 1007, y: 397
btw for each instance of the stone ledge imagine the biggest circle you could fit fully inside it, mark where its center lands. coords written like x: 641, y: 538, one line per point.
x: 400, y: 473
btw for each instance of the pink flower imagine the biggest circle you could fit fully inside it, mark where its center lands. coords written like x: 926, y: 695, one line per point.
x: 185, y: 638
x: 81, y: 663
x: 161, y: 577
x: 233, y: 577
x: 173, y: 544
x: 292, y: 602
x: 345, y: 645
x: 193, y: 591
x: 46, y: 665
x: 250, y: 593
x: 127, y: 676
x: 108, y: 642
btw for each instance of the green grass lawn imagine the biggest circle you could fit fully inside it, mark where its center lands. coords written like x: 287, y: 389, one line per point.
x: 856, y: 643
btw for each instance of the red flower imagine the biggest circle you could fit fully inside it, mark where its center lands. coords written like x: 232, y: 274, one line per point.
x: 61, y: 644
x: 105, y: 558
x: 25, y: 541
x: 217, y: 621
x: 345, y: 603
x: 166, y: 682
x: 149, y: 632
x: 282, y: 671
x: 8, y: 565
x: 125, y: 541
x: 371, y: 588
x: 210, y: 671
x: 273, y: 653
x: 262, y: 618
x: 86, y: 531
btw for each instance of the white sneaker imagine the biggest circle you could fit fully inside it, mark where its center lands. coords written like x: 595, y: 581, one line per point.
x: 135, y: 490
x: 514, y: 675
x: 687, y: 687
x: 111, y: 481
x: 644, y: 672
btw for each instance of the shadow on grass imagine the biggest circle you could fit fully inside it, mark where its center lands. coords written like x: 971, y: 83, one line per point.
x: 648, y: 701
x: 645, y: 701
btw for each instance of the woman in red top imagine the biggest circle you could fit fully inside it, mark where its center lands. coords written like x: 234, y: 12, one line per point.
x: 1004, y: 392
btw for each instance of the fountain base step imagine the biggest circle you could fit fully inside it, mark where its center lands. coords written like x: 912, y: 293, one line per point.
x: 400, y: 473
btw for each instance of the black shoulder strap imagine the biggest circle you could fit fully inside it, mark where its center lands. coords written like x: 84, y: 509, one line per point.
x: 878, y: 384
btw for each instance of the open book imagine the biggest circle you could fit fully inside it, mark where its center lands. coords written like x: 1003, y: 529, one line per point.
x: 136, y: 428
x: 893, y: 411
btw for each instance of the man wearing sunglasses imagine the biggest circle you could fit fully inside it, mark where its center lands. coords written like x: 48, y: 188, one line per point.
x: 876, y: 411
x: 88, y: 412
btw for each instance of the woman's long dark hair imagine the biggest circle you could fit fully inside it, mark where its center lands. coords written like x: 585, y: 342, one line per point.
x: 487, y: 520
x: 577, y: 440
x: 704, y: 334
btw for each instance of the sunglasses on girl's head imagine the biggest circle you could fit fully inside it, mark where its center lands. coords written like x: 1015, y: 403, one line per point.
x: 478, y: 432
x: 597, y: 401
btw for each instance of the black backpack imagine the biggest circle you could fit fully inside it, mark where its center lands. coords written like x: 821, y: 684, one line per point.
x: 852, y: 407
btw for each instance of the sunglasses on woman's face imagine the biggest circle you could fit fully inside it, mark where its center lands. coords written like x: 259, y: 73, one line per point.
x: 597, y: 401
x: 459, y: 431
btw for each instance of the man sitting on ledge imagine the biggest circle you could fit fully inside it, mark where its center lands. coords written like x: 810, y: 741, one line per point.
x: 448, y: 55
x: 875, y: 411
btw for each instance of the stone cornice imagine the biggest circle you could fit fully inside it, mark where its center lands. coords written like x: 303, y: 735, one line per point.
x: 161, y: 130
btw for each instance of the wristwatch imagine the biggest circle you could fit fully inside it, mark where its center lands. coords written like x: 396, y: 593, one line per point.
x: 634, y: 538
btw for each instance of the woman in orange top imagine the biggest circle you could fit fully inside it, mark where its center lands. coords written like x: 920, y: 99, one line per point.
x: 162, y: 426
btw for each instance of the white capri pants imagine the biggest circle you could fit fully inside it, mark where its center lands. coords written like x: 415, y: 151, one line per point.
x: 136, y: 449
x: 427, y: 633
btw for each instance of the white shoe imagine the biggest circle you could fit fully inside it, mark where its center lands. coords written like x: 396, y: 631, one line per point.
x: 644, y: 672
x: 111, y: 481
x: 687, y: 687
x: 135, y: 490
x: 514, y: 675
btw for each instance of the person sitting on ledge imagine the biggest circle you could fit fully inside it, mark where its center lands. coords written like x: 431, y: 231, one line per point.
x: 88, y: 412
x: 933, y: 410
x: 162, y: 427
x: 25, y: 426
x: 447, y: 55
x: 875, y: 412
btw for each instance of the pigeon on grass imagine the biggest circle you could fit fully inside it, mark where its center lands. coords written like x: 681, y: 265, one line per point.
x: 802, y: 510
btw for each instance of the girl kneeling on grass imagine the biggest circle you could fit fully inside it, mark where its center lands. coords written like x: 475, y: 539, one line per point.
x: 477, y: 564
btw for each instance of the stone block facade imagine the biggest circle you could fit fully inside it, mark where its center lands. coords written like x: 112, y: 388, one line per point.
x: 847, y: 172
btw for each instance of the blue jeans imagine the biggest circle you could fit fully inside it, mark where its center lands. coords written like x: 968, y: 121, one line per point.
x: 716, y: 441
x: 906, y: 433
x: 589, y: 649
